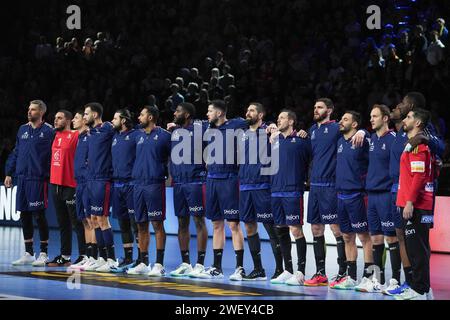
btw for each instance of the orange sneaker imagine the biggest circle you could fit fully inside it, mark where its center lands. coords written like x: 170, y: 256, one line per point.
x: 317, y: 280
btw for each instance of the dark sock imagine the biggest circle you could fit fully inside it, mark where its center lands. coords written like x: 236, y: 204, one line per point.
x: 285, y: 245
x: 276, y: 250
x: 160, y: 256
x: 99, y: 237
x: 319, y: 253
x: 275, y: 244
x: 378, y: 253
x: 408, y: 274
x: 108, y: 237
x: 89, y: 250
x: 254, y: 243
x: 29, y: 247
x: 341, y: 255
x: 396, y: 261
x: 218, y: 258
x: 44, y: 247
x: 301, y: 254
x: 239, y: 258
x: 185, y: 256
x: 351, y: 269
x: 367, y: 272
x: 128, y: 253
x: 201, y: 257
x: 144, y: 257
x: 94, y: 251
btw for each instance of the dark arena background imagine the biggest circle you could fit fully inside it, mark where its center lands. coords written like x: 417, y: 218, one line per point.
x: 281, y: 53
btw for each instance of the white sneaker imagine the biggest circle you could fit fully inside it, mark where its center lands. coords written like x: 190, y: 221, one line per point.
x: 347, y: 284
x: 210, y: 273
x: 98, y: 263
x: 430, y: 295
x: 410, y: 294
x: 110, y: 263
x: 237, y: 275
x: 90, y: 262
x: 198, y: 268
x: 80, y: 264
x: 26, y: 259
x: 141, y: 268
x: 282, y: 278
x: 393, y: 284
x: 362, y: 286
x: 297, y: 279
x: 41, y: 260
x: 183, y: 270
x: 157, y: 271
x: 369, y: 285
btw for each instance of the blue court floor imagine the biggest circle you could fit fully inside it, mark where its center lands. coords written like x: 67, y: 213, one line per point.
x: 57, y: 284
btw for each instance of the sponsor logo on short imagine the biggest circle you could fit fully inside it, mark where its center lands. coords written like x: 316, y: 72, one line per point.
x: 264, y: 215
x: 409, y: 232
x: 70, y: 202
x: 195, y: 209
x: 291, y: 217
x: 230, y: 211
x: 130, y: 210
x: 154, y: 213
x: 427, y: 219
x: 94, y: 208
x: 330, y: 216
x: 359, y: 225
x: 387, y: 224
x: 36, y: 204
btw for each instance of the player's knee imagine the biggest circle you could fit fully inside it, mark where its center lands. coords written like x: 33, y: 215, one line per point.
x: 199, y: 223
x: 234, y: 226
x: 251, y: 228
x: 317, y: 230
x: 158, y: 226
x: 348, y: 237
x: 297, y: 232
x: 391, y: 239
x: 218, y: 226
x: 183, y: 224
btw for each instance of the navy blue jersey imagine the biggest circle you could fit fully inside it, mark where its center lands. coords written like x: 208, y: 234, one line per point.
x: 255, y: 147
x: 351, y: 165
x: 323, y: 143
x: 436, y: 145
x: 31, y: 155
x: 188, y: 168
x: 99, y: 153
x: 378, y: 177
x: 294, y: 154
x: 217, y: 164
x: 81, y: 158
x: 152, y: 155
x: 123, y: 152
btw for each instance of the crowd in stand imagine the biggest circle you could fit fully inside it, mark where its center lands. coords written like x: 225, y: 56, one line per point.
x: 280, y: 53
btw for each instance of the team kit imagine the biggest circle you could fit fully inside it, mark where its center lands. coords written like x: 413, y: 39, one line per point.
x: 377, y: 187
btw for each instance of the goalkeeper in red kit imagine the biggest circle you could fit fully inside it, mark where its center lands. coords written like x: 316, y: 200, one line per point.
x: 415, y: 200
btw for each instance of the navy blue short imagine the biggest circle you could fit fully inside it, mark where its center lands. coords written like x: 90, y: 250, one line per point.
x: 322, y: 205
x: 379, y: 214
x: 99, y: 193
x: 122, y: 201
x: 287, y: 210
x: 222, y: 199
x: 352, y: 214
x: 150, y: 202
x: 82, y: 201
x: 189, y: 199
x: 255, y: 206
x: 32, y: 195
x: 396, y: 214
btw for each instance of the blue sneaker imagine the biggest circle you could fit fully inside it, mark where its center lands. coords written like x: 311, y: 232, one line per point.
x: 397, y: 291
x: 122, y: 267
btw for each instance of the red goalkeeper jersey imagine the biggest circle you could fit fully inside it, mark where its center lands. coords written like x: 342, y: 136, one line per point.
x: 416, y: 178
x: 63, y: 155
